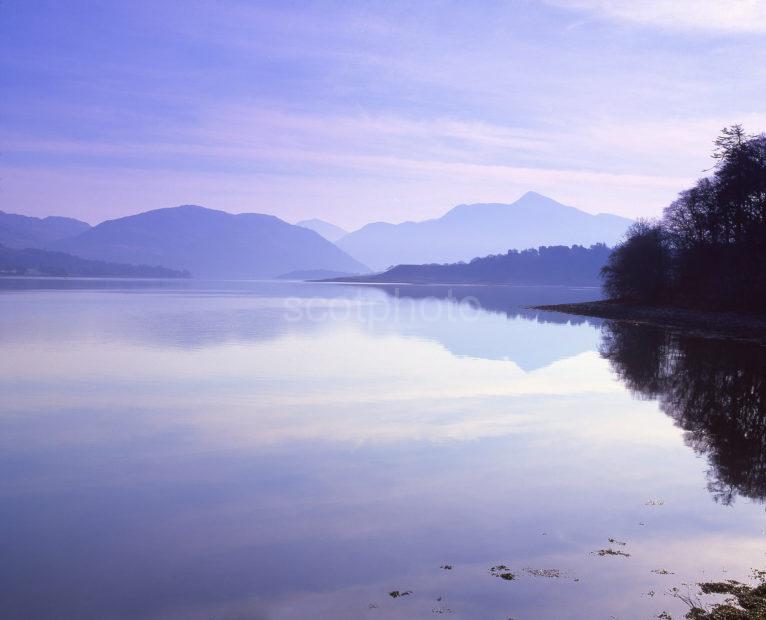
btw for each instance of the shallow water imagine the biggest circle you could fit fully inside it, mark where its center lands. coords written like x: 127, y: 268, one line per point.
x: 285, y: 450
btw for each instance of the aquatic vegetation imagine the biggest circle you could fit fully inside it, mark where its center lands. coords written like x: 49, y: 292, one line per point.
x: 446, y: 566
x: 662, y: 571
x: 603, y: 552
x: 503, y: 572
x: 397, y: 593
x: 742, y: 602
x: 544, y: 572
x: 441, y: 610
x: 617, y: 542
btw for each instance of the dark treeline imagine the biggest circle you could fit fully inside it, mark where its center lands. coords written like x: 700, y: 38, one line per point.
x: 715, y: 390
x: 44, y: 263
x: 545, y: 265
x: 709, y: 248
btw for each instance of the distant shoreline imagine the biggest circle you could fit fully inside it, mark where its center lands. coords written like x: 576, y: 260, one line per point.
x: 353, y: 280
x: 704, y: 324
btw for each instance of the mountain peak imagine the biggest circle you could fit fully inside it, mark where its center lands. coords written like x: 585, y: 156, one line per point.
x: 534, y: 199
x: 472, y: 230
x: 530, y: 195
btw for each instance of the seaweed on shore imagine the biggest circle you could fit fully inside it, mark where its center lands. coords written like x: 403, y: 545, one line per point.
x: 742, y: 601
x: 605, y: 552
x: 503, y: 572
x: 551, y: 573
x: 397, y: 593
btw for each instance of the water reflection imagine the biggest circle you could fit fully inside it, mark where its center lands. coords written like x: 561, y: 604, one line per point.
x: 714, y: 390
x: 500, y: 325
x: 509, y: 301
x: 486, y: 322
x: 198, y: 454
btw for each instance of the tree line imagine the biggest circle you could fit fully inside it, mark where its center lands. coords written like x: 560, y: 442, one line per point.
x: 575, y: 265
x: 709, y: 248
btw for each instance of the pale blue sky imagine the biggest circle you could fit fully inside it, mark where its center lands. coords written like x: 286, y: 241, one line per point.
x: 360, y: 111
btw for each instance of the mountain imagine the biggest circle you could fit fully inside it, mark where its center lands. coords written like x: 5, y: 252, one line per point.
x: 34, y: 262
x: 576, y: 265
x: 210, y: 244
x: 480, y: 229
x: 331, y: 232
x: 21, y: 231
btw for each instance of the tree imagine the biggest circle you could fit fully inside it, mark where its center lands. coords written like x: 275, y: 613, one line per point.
x: 638, y: 268
x: 709, y: 249
x: 729, y: 142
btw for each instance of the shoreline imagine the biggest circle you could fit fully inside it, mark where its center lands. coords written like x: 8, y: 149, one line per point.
x: 699, y: 323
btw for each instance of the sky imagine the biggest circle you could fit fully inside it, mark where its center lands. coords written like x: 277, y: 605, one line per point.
x: 356, y: 111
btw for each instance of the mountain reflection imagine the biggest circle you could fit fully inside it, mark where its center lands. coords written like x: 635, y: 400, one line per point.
x: 510, y: 301
x: 714, y: 390
x: 500, y: 325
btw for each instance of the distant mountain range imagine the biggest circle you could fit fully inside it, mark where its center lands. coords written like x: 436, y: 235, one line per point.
x: 216, y: 244
x: 35, y: 262
x: 22, y: 231
x: 331, y: 232
x: 474, y: 230
x: 562, y: 265
x: 210, y: 244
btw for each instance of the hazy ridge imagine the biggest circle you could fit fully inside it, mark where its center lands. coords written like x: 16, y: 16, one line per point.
x: 23, y: 231
x: 329, y: 231
x: 210, y: 243
x: 468, y: 231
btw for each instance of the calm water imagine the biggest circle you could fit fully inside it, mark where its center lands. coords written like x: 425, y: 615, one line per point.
x: 276, y: 450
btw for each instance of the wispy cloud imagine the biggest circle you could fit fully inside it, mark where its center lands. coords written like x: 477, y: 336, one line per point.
x: 732, y: 16
x: 461, y: 161
x: 358, y: 112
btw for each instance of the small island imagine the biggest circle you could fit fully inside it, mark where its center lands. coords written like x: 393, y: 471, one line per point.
x: 701, y: 268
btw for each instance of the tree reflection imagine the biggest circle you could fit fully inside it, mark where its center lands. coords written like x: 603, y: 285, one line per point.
x: 714, y: 390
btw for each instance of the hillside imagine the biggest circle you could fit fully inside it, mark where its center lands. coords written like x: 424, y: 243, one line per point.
x: 481, y: 229
x: 22, y: 231
x: 34, y: 262
x: 574, y: 265
x: 209, y: 243
x: 329, y: 231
